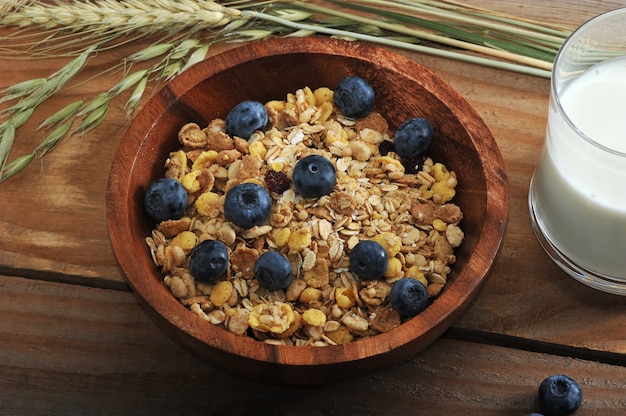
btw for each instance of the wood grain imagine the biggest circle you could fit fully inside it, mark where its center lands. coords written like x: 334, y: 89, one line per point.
x: 71, y: 350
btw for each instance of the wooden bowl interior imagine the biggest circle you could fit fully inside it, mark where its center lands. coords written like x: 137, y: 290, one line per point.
x: 270, y: 70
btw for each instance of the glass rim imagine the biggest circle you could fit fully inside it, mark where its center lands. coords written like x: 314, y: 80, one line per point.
x: 553, y: 86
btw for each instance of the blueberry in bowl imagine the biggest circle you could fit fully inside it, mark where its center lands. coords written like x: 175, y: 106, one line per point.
x: 208, y: 261
x: 354, y: 96
x: 413, y: 137
x: 165, y: 199
x: 273, y: 271
x: 368, y: 260
x: 245, y: 118
x: 264, y: 71
x: 247, y: 205
x: 409, y: 297
x: 314, y: 176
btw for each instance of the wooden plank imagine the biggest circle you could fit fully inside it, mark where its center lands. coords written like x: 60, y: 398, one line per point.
x: 75, y: 350
x: 53, y: 218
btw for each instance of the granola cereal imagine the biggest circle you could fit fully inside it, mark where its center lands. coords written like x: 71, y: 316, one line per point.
x: 412, y: 215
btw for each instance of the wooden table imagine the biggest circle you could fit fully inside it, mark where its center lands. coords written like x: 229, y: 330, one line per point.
x: 73, y: 341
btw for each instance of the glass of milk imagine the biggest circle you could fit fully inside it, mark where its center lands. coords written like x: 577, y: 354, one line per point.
x: 577, y: 194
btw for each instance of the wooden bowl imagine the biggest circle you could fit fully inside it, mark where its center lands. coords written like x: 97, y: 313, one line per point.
x: 269, y: 70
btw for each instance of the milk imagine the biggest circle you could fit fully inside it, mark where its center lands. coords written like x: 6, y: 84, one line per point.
x: 578, y: 193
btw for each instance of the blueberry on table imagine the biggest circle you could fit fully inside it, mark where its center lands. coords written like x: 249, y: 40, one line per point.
x: 354, y: 97
x: 246, y: 118
x: 408, y: 297
x: 247, y: 205
x: 208, y: 261
x: 559, y: 395
x: 314, y: 176
x: 273, y: 271
x: 166, y: 199
x: 413, y: 137
x: 368, y: 260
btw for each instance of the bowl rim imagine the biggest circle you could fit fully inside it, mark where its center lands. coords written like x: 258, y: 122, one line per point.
x: 431, y: 323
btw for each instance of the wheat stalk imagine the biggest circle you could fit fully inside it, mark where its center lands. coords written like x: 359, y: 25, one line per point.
x: 102, y: 15
x: 81, y: 29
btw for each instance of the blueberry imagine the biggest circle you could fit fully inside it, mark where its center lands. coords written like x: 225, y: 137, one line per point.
x: 246, y: 118
x: 413, y: 137
x: 354, y: 97
x: 166, y: 199
x: 247, y: 205
x: 273, y: 271
x: 208, y: 261
x: 368, y: 260
x: 408, y: 297
x: 314, y: 176
x: 559, y: 395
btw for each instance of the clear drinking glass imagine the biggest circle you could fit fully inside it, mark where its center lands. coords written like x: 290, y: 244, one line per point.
x: 577, y: 194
